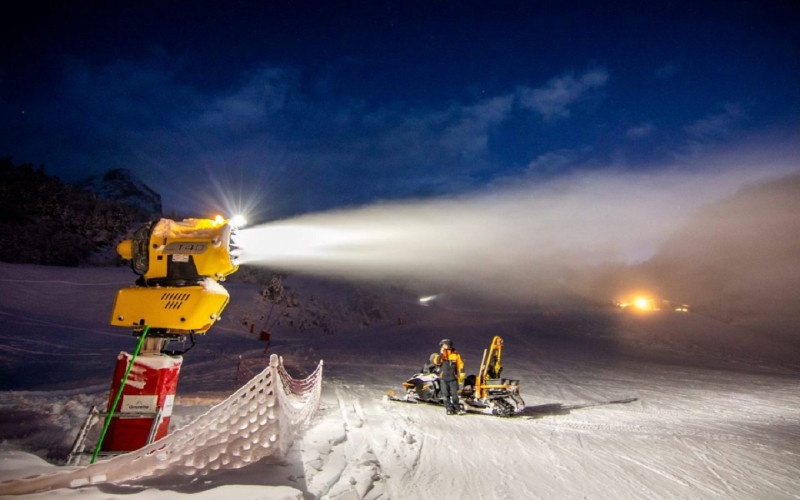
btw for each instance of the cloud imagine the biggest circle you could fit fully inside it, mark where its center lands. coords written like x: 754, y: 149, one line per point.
x: 301, y: 149
x: 467, y: 136
x: 155, y: 119
x: 551, y: 162
x: 718, y: 124
x: 553, y: 101
x: 417, y: 146
x: 456, y: 139
x: 640, y: 131
x: 266, y: 91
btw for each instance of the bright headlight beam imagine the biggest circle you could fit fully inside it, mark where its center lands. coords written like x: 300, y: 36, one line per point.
x: 238, y: 221
x: 426, y: 300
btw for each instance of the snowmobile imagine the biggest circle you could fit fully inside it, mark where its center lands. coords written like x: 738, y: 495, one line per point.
x: 484, y: 393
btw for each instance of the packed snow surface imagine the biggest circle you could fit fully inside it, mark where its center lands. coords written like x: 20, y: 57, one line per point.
x: 619, y: 405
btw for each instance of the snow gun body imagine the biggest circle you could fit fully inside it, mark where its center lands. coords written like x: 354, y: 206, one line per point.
x: 180, y: 265
x: 177, y: 294
x: 485, y: 392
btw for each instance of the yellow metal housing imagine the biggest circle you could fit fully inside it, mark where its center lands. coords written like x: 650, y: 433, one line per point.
x: 185, y: 309
x: 125, y: 249
x: 201, y: 243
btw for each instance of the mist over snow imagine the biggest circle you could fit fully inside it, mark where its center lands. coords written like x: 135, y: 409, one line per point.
x: 738, y: 259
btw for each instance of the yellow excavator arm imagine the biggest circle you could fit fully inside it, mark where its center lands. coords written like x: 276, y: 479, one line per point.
x: 490, y: 366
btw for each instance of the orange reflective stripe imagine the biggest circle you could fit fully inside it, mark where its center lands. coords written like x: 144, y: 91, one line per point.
x: 454, y: 357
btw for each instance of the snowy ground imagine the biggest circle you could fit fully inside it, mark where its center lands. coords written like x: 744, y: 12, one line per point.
x: 713, y: 417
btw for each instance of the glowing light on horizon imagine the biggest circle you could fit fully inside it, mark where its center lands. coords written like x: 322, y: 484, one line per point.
x: 638, y: 302
x: 427, y: 300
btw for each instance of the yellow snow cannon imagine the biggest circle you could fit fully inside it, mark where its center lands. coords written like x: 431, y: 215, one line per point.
x: 180, y: 264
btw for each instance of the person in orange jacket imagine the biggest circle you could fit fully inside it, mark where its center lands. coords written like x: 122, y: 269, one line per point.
x: 451, y: 366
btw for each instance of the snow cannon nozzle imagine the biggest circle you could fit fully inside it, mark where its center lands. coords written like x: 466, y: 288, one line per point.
x: 237, y: 221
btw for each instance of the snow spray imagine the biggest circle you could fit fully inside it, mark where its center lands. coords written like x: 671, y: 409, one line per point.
x: 522, y: 241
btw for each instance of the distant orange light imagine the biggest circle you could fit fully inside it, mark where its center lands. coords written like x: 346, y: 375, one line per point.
x: 638, y: 303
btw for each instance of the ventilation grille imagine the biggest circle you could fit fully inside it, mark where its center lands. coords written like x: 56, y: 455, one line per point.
x: 174, y: 300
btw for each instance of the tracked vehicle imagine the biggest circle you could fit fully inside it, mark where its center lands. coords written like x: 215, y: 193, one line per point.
x: 486, y: 392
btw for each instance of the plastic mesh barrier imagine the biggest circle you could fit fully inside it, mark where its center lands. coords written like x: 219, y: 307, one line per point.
x: 257, y: 421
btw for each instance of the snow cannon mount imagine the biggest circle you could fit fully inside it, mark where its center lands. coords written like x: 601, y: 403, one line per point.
x: 180, y: 265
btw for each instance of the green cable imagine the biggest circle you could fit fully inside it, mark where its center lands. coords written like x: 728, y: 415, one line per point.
x: 119, y: 395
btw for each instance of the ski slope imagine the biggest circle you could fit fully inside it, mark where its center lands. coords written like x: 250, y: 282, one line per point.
x: 709, y: 414
x: 692, y: 433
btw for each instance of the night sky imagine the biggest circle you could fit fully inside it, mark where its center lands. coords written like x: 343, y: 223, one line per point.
x: 283, y: 108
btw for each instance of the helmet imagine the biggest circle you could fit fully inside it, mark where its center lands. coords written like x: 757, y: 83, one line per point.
x: 448, y: 342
